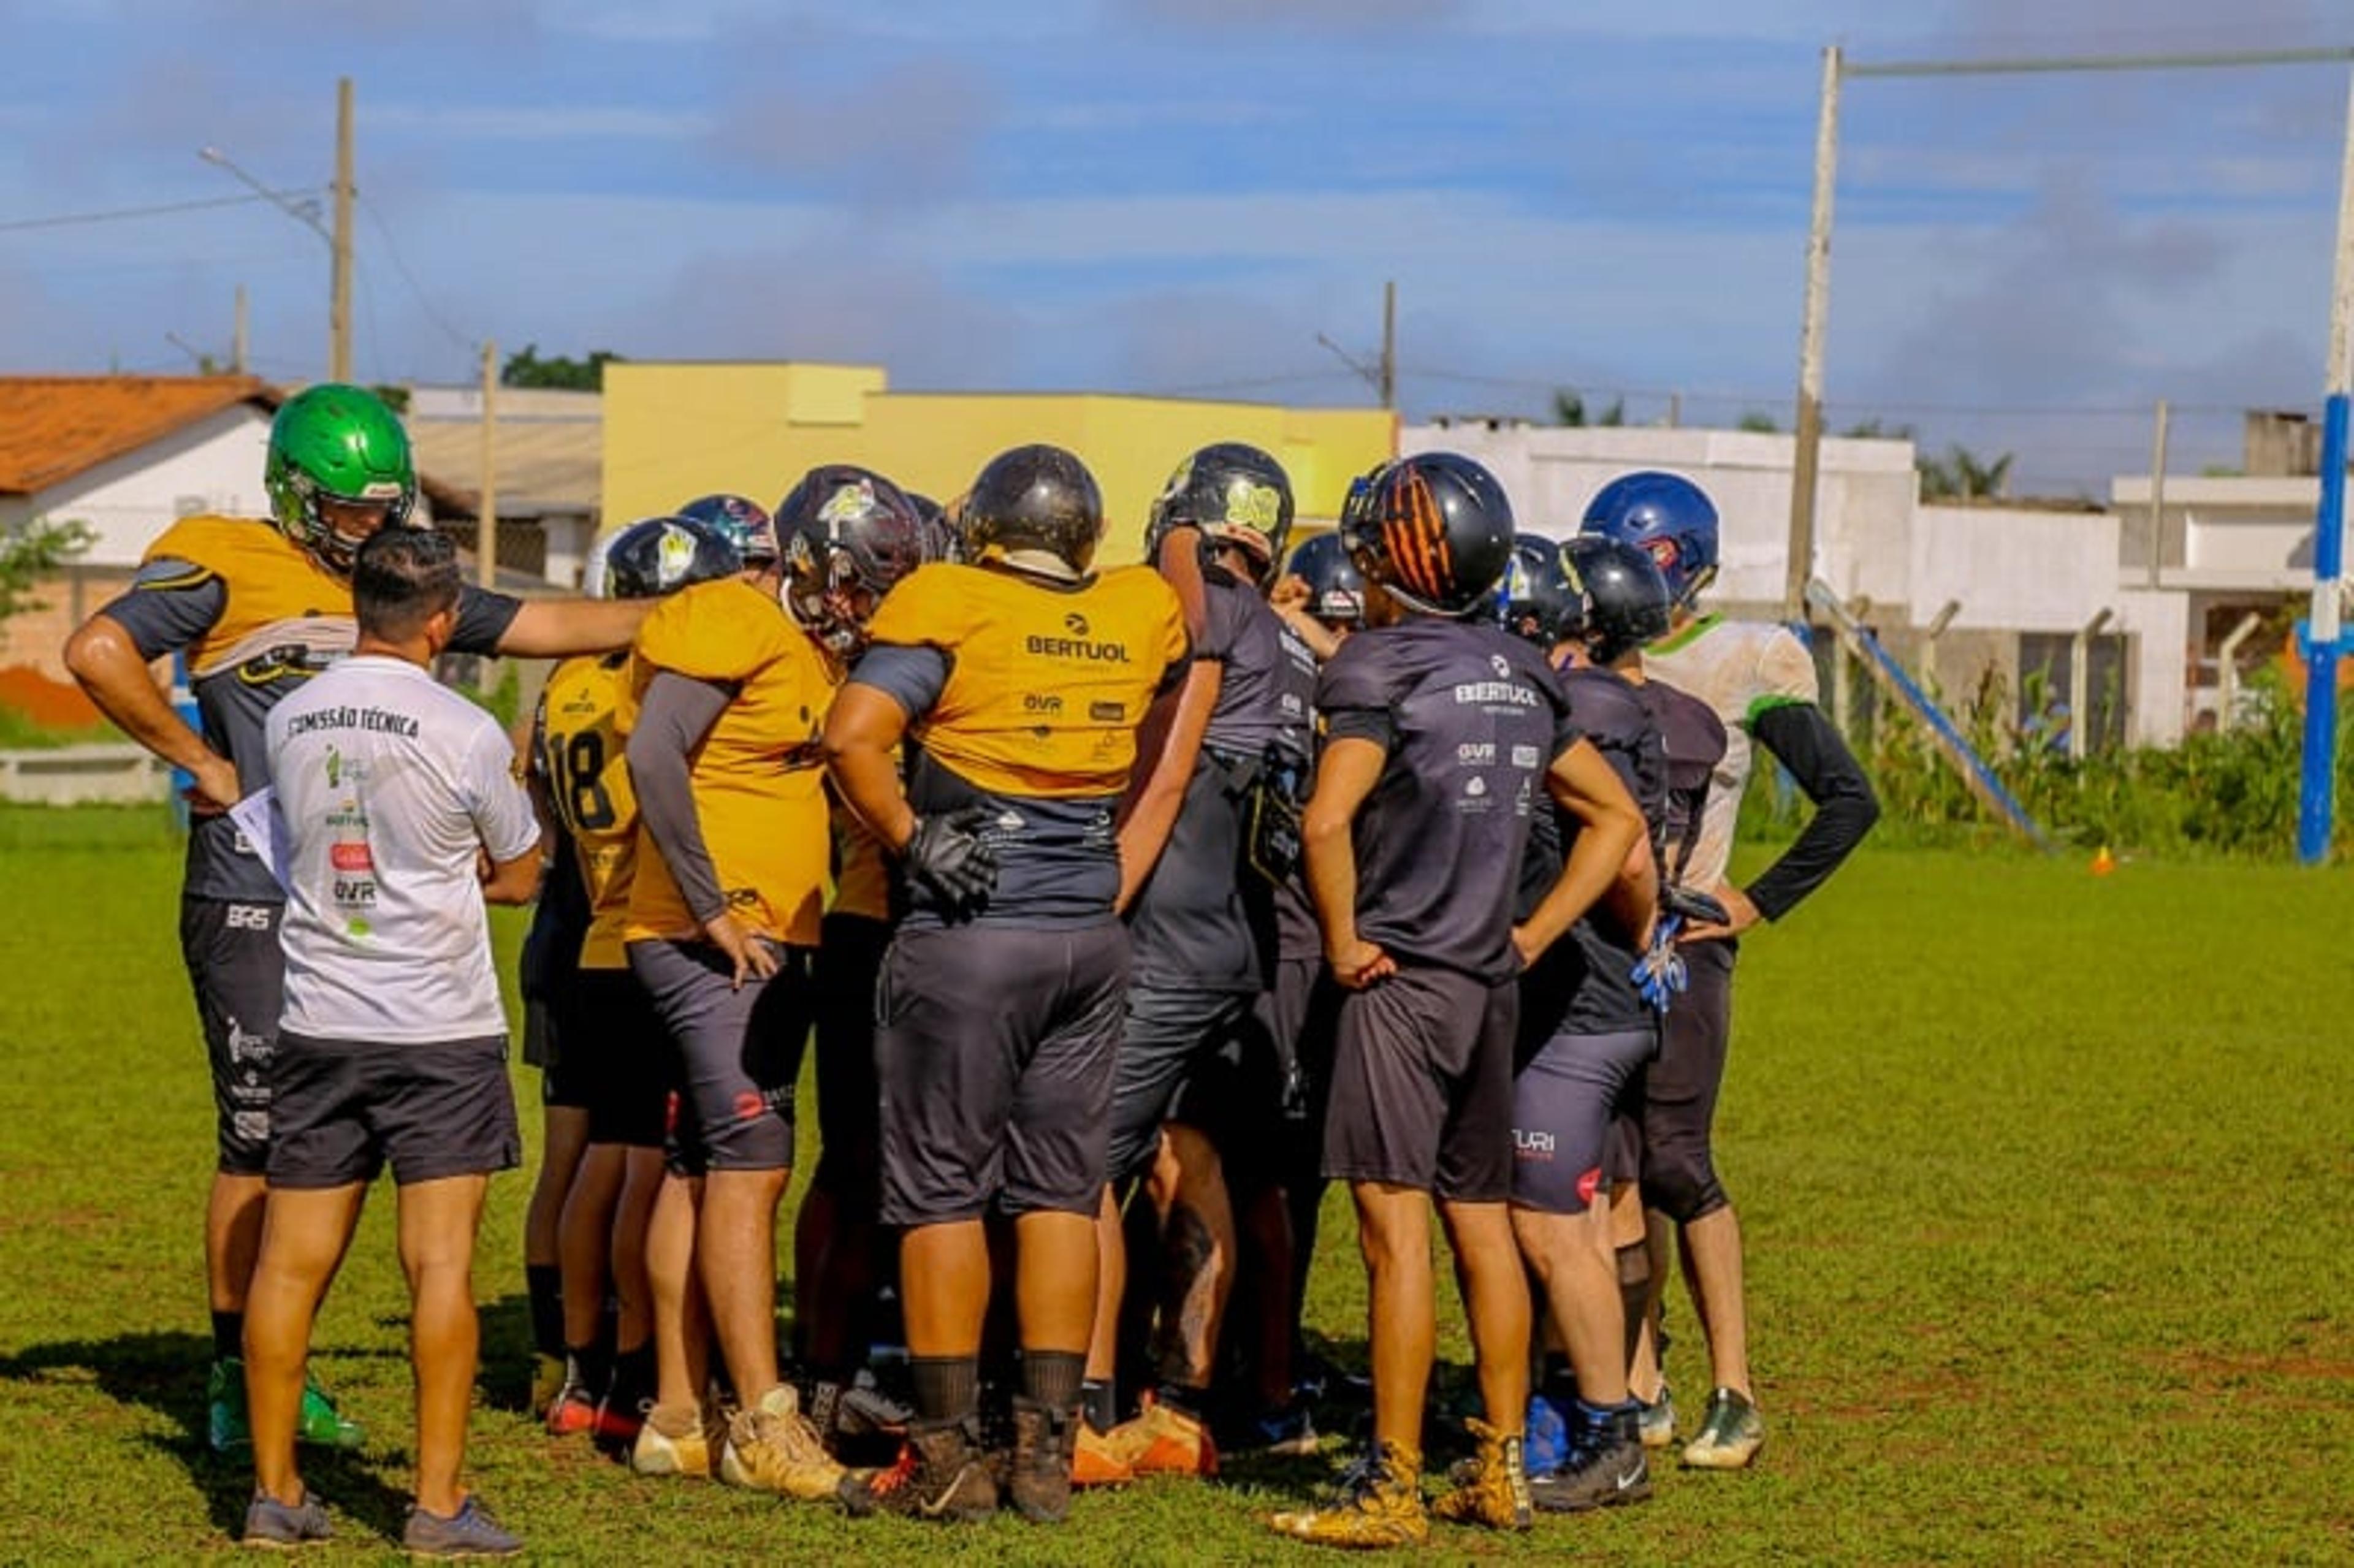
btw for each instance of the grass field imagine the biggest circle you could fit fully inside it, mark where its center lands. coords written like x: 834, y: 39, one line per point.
x: 2045, y: 1178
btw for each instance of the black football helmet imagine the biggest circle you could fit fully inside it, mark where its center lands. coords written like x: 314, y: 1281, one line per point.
x: 1627, y: 605
x: 1433, y: 529
x: 847, y: 535
x: 1036, y: 498
x: 941, y: 540
x: 1236, y: 494
x: 657, y: 556
x: 1541, y: 599
x: 1336, y: 590
x: 745, y: 522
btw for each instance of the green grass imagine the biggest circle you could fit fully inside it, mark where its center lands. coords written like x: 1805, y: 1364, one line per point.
x: 2044, y: 1179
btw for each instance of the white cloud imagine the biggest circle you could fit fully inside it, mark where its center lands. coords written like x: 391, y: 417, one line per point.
x: 523, y: 123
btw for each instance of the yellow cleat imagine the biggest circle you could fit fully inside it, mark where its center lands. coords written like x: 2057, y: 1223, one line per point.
x: 773, y: 1447
x: 1493, y: 1489
x: 672, y: 1442
x: 1163, y: 1441
x: 1380, y: 1505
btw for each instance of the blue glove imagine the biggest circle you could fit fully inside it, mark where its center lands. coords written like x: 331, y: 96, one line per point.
x: 1659, y: 974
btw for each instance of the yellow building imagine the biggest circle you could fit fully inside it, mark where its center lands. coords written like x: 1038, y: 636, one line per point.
x: 677, y: 431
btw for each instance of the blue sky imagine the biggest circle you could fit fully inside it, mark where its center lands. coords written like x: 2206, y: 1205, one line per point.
x: 1181, y: 195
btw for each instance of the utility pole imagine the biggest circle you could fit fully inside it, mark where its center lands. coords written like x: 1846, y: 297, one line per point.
x: 1808, y: 458
x: 2316, y: 799
x: 238, y: 344
x: 486, y: 510
x: 1389, y: 347
x: 339, y: 307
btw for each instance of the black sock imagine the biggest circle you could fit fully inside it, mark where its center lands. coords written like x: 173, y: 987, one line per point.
x: 948, y: 1388
x: 1053, y: 1378
x: 632, y: 1377
x: 1183, y: 1398
x: 229, y: 1336
x: 1560, y: 1381
x: 1099, y: 1403
x: 587, y: 1367
x: 544, y: 1282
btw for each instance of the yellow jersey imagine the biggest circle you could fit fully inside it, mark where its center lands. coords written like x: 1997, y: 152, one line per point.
x: 589, y: 784
x: 758, y: 778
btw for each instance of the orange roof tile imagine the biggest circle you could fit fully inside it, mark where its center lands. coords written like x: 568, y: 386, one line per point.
x: 55, y: 426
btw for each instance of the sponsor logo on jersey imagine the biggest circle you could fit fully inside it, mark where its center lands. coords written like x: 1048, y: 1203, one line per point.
x: 1475, y: 754
x: 1493, y: 693
x: 1078, y: 646
x: 1525, y: 757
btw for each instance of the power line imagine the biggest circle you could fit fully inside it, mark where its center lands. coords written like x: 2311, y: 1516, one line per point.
x: 63, y: 220
x: 392, y: 249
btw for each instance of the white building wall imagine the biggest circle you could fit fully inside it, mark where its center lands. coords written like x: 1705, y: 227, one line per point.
x: 2013, y: 570
x: 212, y: 465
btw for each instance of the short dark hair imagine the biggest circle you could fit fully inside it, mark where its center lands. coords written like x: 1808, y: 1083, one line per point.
x: 402, y: 577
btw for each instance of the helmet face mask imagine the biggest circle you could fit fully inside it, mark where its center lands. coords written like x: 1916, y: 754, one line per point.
x: 1541, y: 599
x: 338, y: 470
x: 848, y: 535
x: 1237, y: 495
x: 1035, y: 498
x: 1434, y: 531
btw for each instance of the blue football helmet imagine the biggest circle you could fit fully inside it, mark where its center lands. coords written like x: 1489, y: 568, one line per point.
x: 1670, y: 518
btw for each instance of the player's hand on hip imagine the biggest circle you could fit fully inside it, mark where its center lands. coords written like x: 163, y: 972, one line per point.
x: 216, y: 789
x: 1360, y: 964
x: 1740, y: 915
x: 1525, y: 944
x: 751, y: 957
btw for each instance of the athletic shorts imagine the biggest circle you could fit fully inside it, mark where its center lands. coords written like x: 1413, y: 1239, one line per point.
x: 343, y: 1108
x: 1564, y: 1100
x: 239, y: 978
x: 994, y: 1046
x: 849, y: 1097
x: 1681, y: 1090
x: 735, y: 1053
x: 612, y: 1058
x: 1169, y: 1038
x: 1422, y: 1085
x: 1301, y: 1014
x: 546, y: 1022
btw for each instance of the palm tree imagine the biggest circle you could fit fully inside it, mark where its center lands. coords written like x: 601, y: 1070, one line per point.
x: 1962, y: 475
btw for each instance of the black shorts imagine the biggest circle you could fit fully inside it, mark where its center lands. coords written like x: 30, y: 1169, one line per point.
x: 1168, y: 1039
x: 1422, y: 1085
x: 343, y: 1108
x: 994, y: 1046
x: 612, y: 1058
x: 849, y: 1096
x: 1681, y: 1090
x: 1564, y: 1100
x: 240, y: 978
x: 547, y: 1020
x: 1301, y: 1013
x: 735, y: 1053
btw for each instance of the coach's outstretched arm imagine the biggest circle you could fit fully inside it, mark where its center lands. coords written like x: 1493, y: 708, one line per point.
x: 561, y: 628
x: 1802, y: 739
x: 1584, y: 784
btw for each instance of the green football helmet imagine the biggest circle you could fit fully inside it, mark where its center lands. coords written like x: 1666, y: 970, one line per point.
x: 332, y: 442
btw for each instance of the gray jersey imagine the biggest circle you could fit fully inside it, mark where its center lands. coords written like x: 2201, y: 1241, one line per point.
x: 1583, y: 985
x: 1206, y: 918
x: 1470, y: 720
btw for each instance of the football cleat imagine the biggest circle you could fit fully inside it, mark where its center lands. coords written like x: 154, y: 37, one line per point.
x: 1731, y: 1433
x: 1380, y: 1504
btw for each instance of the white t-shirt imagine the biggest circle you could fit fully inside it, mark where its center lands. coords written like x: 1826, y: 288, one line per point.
x: 389, y: 783
x: 1740, y: 668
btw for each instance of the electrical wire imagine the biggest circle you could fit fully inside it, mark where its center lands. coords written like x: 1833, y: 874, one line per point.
x: 65, y: 220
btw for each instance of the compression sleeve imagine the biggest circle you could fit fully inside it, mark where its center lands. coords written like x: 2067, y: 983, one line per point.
x: 677, y: 713
x: 914, y: 677
x: 1803, y: 740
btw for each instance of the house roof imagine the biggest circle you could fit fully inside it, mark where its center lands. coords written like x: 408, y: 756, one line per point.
x: 55, y: 426
x: 543, y: 465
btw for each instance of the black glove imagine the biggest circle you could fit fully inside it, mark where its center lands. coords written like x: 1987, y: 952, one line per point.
x: 1696, y: 907
x: 951, y: 861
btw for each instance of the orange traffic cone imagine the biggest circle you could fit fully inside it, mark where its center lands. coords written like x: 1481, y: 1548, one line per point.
x: 2104, y: 862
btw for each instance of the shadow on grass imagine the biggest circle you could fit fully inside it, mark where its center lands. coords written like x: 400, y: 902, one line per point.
x: 166, y: 1373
